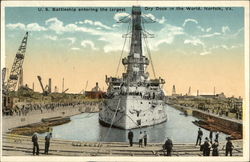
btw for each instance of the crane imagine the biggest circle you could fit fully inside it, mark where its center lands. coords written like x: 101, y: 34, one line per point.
x: 65, y: 90
x: 17, y: 65
x: 45, y: 92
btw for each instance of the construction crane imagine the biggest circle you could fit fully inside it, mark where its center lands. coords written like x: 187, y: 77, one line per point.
x: 65, y: 90
x: 17, y: 65
x: 41, y: 84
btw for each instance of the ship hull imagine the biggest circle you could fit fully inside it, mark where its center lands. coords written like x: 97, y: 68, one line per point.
x: 129, y: 112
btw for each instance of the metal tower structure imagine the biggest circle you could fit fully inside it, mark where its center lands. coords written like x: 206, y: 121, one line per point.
x: 20, y: 83
x: 17, y: 65
x: 136, y: 62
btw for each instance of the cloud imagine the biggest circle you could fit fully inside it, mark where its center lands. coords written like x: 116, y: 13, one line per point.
x: 165, y: 36
x: 226, y: 47
x: 225, y: 29
x: 113, y: 42
x: 194, y: 41
x: 110, y: 37
x: 35, y: 27
x: 51, y: 37
x: 88, y: 43
x: 231, y: 35
x: 55, y: 24
x: 189, y: 20
x: 16, y: 26
x: 71, y: 39
x: 98, y: 23
x: 201, y: 28
x: 58, y: 26
x: 152, y: 17
x: 208, y: 29
x: 95, y: 23
x: 75, y: 48
x: 210, y: 35
x: 28, y: 27
x: 86, y: 22
x: 205, y: 53
x: 119, y: 16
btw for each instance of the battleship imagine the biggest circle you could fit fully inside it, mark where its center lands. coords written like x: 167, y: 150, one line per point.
x: 134, y: 100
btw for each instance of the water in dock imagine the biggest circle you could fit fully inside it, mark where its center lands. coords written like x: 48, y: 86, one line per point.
x: 85, y: 127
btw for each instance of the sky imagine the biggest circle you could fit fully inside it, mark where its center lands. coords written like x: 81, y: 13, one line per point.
x: 198, y: 48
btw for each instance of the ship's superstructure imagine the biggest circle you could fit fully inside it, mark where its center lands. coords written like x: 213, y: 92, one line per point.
x: 134, y: 100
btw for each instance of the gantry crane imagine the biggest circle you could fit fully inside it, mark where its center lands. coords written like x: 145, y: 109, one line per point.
x: 17, y: 65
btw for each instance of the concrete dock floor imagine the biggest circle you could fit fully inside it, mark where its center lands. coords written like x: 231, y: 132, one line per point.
x: 17, y: 145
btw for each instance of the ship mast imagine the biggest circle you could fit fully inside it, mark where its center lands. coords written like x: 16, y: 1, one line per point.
x: 135, y: 61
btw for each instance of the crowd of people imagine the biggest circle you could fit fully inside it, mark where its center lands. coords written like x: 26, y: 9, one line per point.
x: 143, y: 138
x: 25, y: 109
x: 214, y: 145
x: 207, y: 147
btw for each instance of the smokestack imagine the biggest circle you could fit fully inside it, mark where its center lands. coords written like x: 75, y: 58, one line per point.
x: 33, y: 86
x: 197, y: 92
x: 173, y: 90
x: 189, y: 91
x: 49, y: 88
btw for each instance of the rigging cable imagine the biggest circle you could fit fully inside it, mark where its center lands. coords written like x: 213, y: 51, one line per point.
x: 122, y: 52
x: 110, y: 125
x: 149, y: 53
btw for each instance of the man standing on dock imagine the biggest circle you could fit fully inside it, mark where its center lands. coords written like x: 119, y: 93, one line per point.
x: 206, y: 147
x: 217, y: 136
x: 145, y: 137
x: 47, y: 143
x: 140, y: 139
x: 35, y: 144
x: 130, y: 137
x: 168, y: 146
x: 229, y: 147
x: 211, y: 136
x: 199, y: 137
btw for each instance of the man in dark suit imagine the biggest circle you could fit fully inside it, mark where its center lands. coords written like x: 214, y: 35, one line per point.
x: 130, y: 137
x: 47, y: 143
x: 199, y: 137
x: 35, y: 144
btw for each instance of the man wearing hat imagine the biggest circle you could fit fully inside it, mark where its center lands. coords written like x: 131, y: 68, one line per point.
x: 229, y: 146
x: 168, y: 146
x: 35, y: 144
x: 47, y: 143
x: 206, y: 147
x: 130, y: 137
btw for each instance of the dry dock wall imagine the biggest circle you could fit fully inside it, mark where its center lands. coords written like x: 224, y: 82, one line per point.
x: 230, y: 124
x: 233, y: 125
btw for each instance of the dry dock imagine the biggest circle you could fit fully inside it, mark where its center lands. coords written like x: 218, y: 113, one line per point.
x: 17, y: 145
x: 10, y: 122
x: 224, y: 124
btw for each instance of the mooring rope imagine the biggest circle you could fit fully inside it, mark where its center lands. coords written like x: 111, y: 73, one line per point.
x: 110, y: 125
